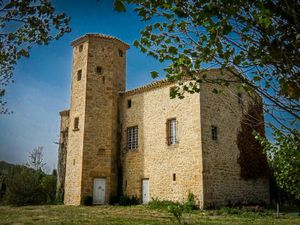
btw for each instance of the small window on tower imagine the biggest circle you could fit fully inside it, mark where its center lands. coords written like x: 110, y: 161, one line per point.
x: 80, y: 48
x: 76, y: 123
x: 214, y: 133
x: 174, y: 176
x: 129, y: 103
x: 99, y: 69
x: 79, y: 75
x: 120, y: 53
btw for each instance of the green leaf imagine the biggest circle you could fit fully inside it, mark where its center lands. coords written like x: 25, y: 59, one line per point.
x: 154, y: 74
x: 119, y: 6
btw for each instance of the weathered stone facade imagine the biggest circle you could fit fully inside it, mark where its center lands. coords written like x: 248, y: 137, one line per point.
x: 98, y: 148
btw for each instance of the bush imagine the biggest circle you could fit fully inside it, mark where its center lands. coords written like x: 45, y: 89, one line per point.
x: 158, y: 204
x: 190, y: 204
x: 48, y: 186
x: 23, y: 187
x: 88, y: 200
x: 176, y: 209
x: 129, y: 200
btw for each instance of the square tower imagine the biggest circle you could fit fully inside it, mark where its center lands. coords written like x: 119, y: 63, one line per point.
x: 98, y: 76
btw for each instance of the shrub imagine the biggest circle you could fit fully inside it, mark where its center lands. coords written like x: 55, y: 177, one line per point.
x: 23, y: 187
x: 190, y: 204
x: 158, y: 204
x: 176, y: 209
x: 128, y: 200
x: 88, y: 200
x: 48, y: 186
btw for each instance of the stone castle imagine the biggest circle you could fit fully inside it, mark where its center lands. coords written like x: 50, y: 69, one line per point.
x: 143, y: 143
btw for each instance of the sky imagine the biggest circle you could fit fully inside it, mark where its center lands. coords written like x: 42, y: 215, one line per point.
x: 43, y: 81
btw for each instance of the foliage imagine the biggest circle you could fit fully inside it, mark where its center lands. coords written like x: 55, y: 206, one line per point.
x: 48, y: 186
x: 190, y: 204
x: 24, y: 24
x: 155, y: 203
x: 252, y: 160
x: 129, y: 200
x: 88, y: 200
x: 23, y: 187
x: 258, y: 39
x: 284, y: 159
x: 176, y: 210
x: 35, y: 159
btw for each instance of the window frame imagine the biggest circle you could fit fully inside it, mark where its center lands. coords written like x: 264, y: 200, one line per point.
x: 129, y: 103
x: 132, y: 137
x: 172, y: 139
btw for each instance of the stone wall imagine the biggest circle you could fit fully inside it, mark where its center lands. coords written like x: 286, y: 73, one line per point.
x: 92, y: 149
x: 155, y: 159
x: 222, y: 181
x: 73, y: 180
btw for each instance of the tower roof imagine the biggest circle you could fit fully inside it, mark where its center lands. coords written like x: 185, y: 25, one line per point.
x: 100, y: 36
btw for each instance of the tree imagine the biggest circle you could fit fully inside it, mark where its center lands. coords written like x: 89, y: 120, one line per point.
x: 256, y: 41
x: 35, y: 159
x: 284, y: 157
x: 23, y: 24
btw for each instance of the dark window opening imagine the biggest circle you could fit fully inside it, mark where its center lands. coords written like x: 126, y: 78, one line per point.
x: 120, y: 53
x: 174, y: 176
x: 76, y: 123
x: 129, y: 103
x: 79, y: 75
x: 214, y: 133
x: 99, y: 69
x: 80, y: 48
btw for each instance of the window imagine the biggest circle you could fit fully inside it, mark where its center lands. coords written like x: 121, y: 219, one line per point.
x: 76, y: 123
x: 174, y: 176
x: 80, y: 48
x: 99, y: 69
x: 120, y: 53
x: 172, y: 132
x: 240, y: 98
x: 79, y: 75
x: 214, y: 133
x: 129, y: 103
x: 132, y: 137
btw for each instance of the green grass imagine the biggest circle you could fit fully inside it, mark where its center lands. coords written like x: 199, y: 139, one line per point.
x: 59, y: 214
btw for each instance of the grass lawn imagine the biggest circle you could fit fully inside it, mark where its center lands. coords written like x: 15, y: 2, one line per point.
x: 59, y: 214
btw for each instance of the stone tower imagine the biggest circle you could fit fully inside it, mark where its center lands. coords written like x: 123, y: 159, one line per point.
x: 98, y: 76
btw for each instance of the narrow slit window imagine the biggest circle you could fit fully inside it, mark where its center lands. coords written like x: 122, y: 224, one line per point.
x: 79, y: 75
x: 76, y: 123
x: 129, y: 103
x: 132, y: 137
x: 80, y: 48
x: 174, y: 176
x: 120, y: 53
x: 99, y: 70
x: 214, y: 133
x: 172, y: 131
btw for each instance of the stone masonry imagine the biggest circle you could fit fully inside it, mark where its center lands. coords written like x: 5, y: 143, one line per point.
x: 97, y: 140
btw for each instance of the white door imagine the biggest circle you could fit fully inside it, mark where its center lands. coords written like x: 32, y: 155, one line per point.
x: 99, y: 191
x: 145, y: 191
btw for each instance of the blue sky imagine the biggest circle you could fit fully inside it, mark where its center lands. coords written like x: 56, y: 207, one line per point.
x: 42, y: 81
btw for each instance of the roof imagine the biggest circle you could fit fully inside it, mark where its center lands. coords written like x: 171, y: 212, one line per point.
x: 155, y: 84
x: 64, y: 112
x: 101, y: 36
